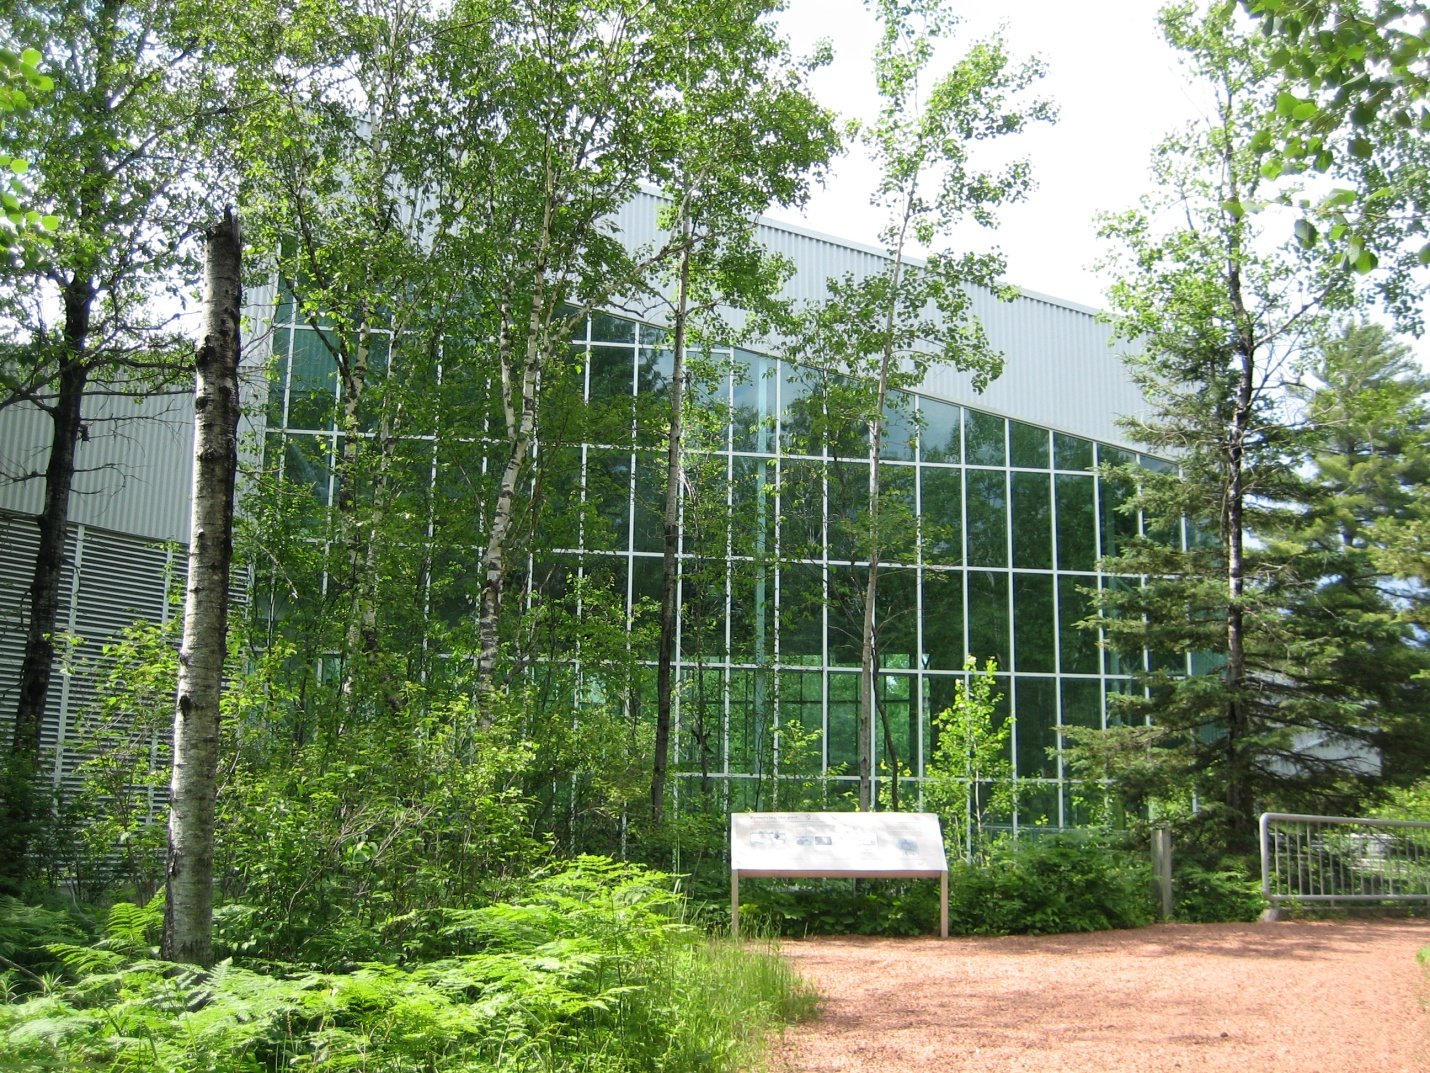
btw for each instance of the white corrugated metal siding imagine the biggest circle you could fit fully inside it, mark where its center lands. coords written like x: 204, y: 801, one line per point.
x: 1061, y: 367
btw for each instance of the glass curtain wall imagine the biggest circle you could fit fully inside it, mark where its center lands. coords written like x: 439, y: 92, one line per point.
x: 998, y: 526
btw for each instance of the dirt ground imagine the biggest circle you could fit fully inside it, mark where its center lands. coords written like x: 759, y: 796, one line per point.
x: 1318, y: 997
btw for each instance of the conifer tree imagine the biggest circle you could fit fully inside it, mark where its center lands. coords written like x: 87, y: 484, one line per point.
x: 1217, y: 318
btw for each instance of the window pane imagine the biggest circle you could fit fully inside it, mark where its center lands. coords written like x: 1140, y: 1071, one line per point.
x: 278, y: 376
x: 848, y: 491
x: 802, y: 723
x: 988, y: 616
x: 943, y: 620
x: 650, y: 501
x: 801, y: 607
x: 753, y: 406
x: 700, y: 737
x: 752, y: 612
x: 1119, y: 526
x: 844, y: 722
x: 1082, y: 702
x: 939, y: 440
x: 608, y: 329
x: 646, y: 573
x: 899, y: 523
x: 1033, y: 622
x: 312, y: 396
x: 1036, y: 728
x: 942, y: 515
x: 847, y: 591
x: 896, y: 718
x: 900, y: 431
x: 1077, y: 531
x: 801, y: 509
x: 752, y: 711
x: 983, y: 434
x: 608, y: 491
x: 611, y: 412
x: 987, y: 519
x: 1030, y: 445
x: 801, y: 423
x: 705, y: 514
x: 898, y: 622
x: 1071, y: 452
x: 1077, y: 647
x: 1032, y: 521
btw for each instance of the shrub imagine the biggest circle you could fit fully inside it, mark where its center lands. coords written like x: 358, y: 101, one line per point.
x: 1075, y: 881
x: 1212, y: 895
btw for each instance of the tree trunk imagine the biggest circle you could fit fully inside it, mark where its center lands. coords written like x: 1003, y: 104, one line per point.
x: 868, y: 648
x: 188, y: 907
x: 1239, y: 798
x: 21, y: 789
x: 669, y: 608
x: 519, y: 404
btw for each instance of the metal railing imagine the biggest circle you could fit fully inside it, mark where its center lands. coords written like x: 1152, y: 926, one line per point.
x: 1343, y: 860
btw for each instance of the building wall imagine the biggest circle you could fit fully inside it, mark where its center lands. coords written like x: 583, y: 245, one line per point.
x: 1007, y: 521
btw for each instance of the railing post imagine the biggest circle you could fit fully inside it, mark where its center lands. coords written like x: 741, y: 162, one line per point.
x: 1162, y: 867
x: 1270, y: 914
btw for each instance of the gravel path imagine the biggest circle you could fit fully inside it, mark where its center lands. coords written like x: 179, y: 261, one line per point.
x: 1317, y: 997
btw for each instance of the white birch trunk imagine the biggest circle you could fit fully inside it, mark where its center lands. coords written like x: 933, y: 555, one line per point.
x: 188, y: 908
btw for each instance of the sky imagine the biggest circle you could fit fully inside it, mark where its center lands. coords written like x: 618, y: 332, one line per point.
x: 1119, y: 90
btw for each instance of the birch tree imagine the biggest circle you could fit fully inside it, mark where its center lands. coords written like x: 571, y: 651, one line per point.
x: 188, y: 904
x: 747, y: 135
x: 889, y: 328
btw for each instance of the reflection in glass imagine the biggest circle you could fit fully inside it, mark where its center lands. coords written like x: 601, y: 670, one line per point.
x: 1076, y: 528
x: 1036, y: 728
x: 987, y: 518
x: 941, y: 516
x: 1029, y: 445
x: 943, y: 620
x: 1033, y: 621
x: 1032, y: 521
x: 988, y: 616
x: 1071, y: 452
x: 1077, y: 647
x: 983, y: 439
x: 941, y: 430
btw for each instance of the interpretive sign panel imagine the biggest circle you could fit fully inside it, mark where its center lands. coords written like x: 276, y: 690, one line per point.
x: 836, y: 845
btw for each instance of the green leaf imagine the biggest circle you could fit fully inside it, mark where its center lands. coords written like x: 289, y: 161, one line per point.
x: 1361, y: 148
x: 1366, y: 262
x: 19, y: 165
x: 1234, y: 208
x: 1305, y: 233
x: 1339, y: 199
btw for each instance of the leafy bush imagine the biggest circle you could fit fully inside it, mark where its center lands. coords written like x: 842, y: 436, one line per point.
x: 1082, y: 881
x: 1212, y: 895
x: 1074, y: 881
x: 593, y: 971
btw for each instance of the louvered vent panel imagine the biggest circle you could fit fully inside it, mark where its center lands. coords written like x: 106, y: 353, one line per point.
x: 20, y: 538
x: 122, y: 580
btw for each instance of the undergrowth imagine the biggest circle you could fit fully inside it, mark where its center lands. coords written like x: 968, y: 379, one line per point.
x: 1070, y: 882
x: 591, y: 972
